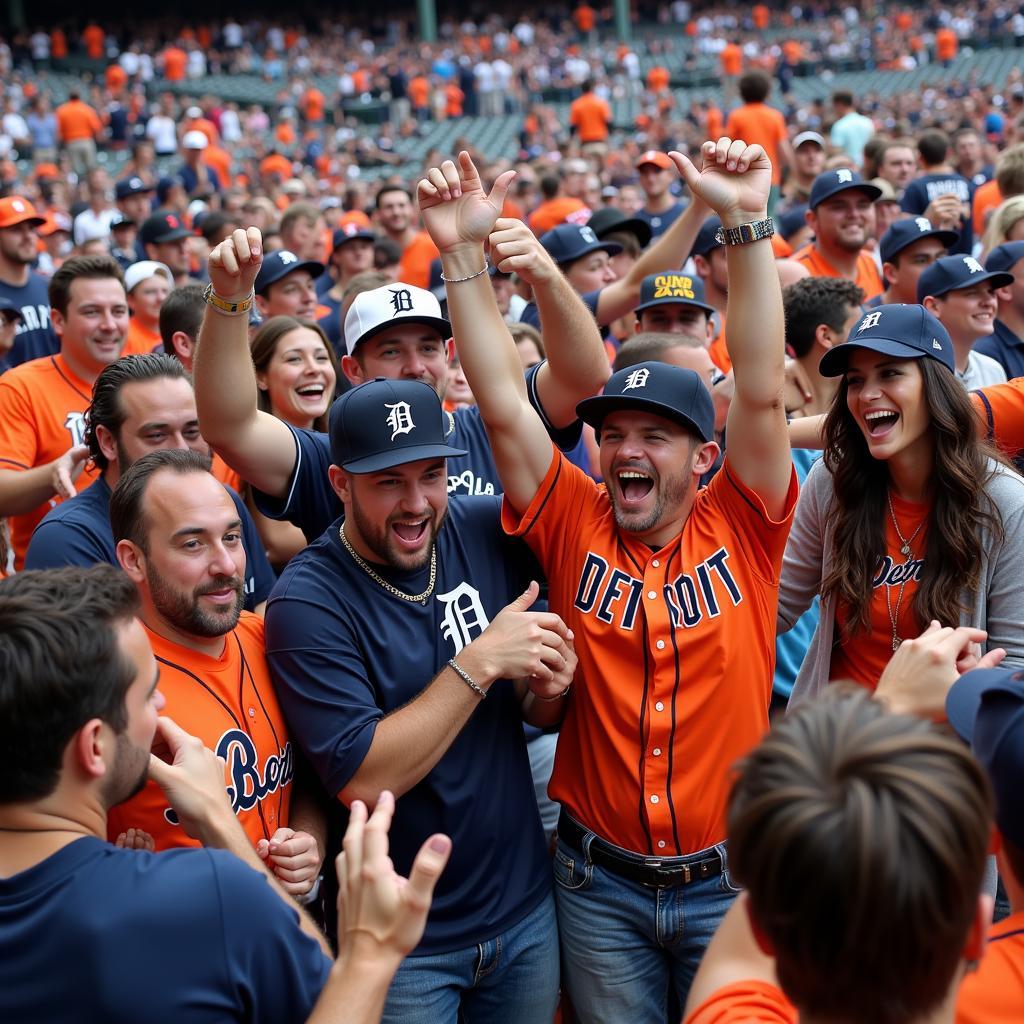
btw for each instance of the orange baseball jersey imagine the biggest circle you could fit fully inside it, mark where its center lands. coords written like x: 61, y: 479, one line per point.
x: 414, y: 267
x: 676, y: 653
x: 230, y: 704
x: 994, y: 993
x: 42, y: 415
x: 1001, y: 410
x: 868, y: 278
x: 745, y: 1002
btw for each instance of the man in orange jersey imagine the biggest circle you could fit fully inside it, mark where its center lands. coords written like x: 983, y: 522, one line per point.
x: 179, y: 539
x: 397, y: 218
x: 43, y: 402
x: 590, y: 118
x: 842, y: 218
x: 759, y: 124
x: 78, y: 127
x: 656, y: 585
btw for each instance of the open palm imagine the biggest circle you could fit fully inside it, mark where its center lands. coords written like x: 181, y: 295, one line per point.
x: 456, y: 210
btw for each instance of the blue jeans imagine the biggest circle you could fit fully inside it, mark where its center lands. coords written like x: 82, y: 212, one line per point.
x: 624, y: 943
x: 509, y: 979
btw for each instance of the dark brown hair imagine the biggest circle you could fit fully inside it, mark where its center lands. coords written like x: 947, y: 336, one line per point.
x: 861, y: 838
x: 960, y: 507
x: 75, y: 268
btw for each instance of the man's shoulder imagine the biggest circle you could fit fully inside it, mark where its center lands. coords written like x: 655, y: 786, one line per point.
x: 87, y: 510
x: 31, y: 375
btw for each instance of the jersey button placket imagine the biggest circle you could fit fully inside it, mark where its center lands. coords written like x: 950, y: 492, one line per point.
x: 659, y: 707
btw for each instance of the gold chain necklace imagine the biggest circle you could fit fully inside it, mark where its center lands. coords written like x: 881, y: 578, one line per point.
x: 905, y: 551
x: 394, y: 591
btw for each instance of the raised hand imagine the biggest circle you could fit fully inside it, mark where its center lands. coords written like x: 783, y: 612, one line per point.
x: 734, y: 179
x: 293, y: 857
x: 516, y: 249
x: 67, y: 469
x: 456, y: 211
x: 235, y: 262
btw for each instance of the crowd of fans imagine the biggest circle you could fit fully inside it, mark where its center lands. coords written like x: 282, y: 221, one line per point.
x: 616, y: 523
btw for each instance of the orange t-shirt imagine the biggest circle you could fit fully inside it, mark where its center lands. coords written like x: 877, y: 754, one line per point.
x: 414, y: 266
x: 419, y: 92
x: 715, y: 123
x: 554, y: 212
x: 719, y: 350
x: 220, y: 160
x: 285, y: 133
x: 863, y: 656
x: 275, y: 164
x: 645, y: 753
x: 58, y: 44
x: 140, y: 340
x: 946, y: 44
x: 794, y: 51
x: 175, y: 62
x: 732, y: 59
x: 94, y: 37
x: 745, y: 1002
x: 42, y: 415
x: 986, y: 197
x: 759, y: 124
x: 313, y: 103
x: 230, y: 704
x: 994, y: 993
x: 760, y: 13
x: 454, y: 97
x: 116, y: 78
x: 584, y: 18
x: 590, y: 116
x: 867, y: 277
x: 77, y: 120
x: 657, y: 78
x: 1000, y: 407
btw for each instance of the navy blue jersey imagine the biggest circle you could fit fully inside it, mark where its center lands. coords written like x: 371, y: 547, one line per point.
x: 34, y: 337
x: 531, y: 315
x: 661, y: 222
x: 77, y: 532
x: 312, y: 505
x: 330, y: 324
x: 219, y: 944
x: 1006, y: 348
x: 343, y: 653
x: 921, y: 191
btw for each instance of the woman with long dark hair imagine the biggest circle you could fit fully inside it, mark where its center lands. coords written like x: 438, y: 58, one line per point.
x: 909, y: 517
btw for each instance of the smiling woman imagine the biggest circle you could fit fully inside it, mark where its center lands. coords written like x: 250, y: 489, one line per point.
x: 910, y: 517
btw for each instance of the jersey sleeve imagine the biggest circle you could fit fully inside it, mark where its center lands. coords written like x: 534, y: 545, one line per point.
x: 56, y: 543
x: 1001, y: 411
x: 19, y: 438
x: 257, y: 565
x: 565, y: 438
x: 762, y: 538
x: 913, y: 200
x: 276, y: 969
x: 318, y: 669
x: 310, y: 503
x: 745, y: 1002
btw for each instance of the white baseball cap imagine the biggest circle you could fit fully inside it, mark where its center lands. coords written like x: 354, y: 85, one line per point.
x: 398, y: 303
x: 143, y: 271
x: 195, y: 140
x: 814, y: 137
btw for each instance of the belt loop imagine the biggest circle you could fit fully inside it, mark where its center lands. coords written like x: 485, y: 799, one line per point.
x: 588, y: 838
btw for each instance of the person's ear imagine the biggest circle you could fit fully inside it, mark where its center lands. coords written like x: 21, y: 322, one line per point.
x: 352, y: 370
x: 341, y: 483
x: 107, y: 442
x: 705, y: 458
x: 823, y: 336
x: 977, y: 936
x: 184, y: 347
x: 932, y: 305
x: 132, y: 560
x: 88, y: 750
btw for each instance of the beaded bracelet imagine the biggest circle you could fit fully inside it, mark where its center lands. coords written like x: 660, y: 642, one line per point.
x: 465, y: 676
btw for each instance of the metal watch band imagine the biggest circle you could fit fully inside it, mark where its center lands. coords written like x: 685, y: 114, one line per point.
x: 744, y: 233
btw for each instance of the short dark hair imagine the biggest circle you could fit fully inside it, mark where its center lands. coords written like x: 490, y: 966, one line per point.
x: 755, y: 87
x: 861, y: 839
x: 549, y: 185
x: 182, y: 311
x: 60, y: 666
x: 814, y: 301
x: 843, y: 97
x: 649, y: 346
x: 391, y: 188
x: 933, y: 145
x: 386, y: 253
x: 215, y: 222
x: 105, y: 409
x: 74, y: 268
x: 127, y: 521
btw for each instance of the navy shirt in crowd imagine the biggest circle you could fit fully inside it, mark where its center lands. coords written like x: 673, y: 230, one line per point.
x: 77, y: 532
x: 1005, y: 348
x: 344, y: 653
x: 95, y: 933
x: 921, y: 191
x: 34, y: 337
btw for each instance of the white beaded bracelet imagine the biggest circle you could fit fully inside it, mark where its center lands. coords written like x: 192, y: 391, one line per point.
x: 459, y: 280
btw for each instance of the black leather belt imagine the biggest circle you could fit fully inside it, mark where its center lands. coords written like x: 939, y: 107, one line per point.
x: 656, y: 872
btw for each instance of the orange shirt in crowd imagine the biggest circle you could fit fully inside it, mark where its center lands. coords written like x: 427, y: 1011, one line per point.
x: 759, y: 124
x: 657, y: 78
x: 731, y: 58
x: 42, y: 415
x: 590, y: 116
x: 207, y: 127
x: 76, y: 120
x: 277, y: 164
x: 58, y: 44
x: 230, y: 704
x: 414, y: 266
x: 175, y: 61
x: 1000, y: 407
x: 553, y: 212
x: 454, y: 97
x: 868, y: 278
x: 904, y: 21
x: 204, y: 36
x: 140, y: 340
x: 793, y: 50
x: 419, y: 92
x: 714, y: 123
x: 285, y: 133
x: 584, y: 17
x: 313, y: 104
x: 116, y: 78
x: 719, y: 350
x: 986, y: 197
x: 946, y: 44
x: 94, y: 37
x: 760, y: 14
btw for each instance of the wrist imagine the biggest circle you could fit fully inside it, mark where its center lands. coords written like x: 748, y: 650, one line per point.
x: 475, y: 662
x: 462, y: 260
x: 734, y: 218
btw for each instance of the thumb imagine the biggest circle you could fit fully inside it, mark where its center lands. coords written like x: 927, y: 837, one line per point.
x: 526, y: 598
x: 991, y: 658
x: 500, y: 189
x: 427, y: 868
x: 685, y: 167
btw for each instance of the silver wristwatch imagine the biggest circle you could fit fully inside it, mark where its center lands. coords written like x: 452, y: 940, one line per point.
x: 745, y: 233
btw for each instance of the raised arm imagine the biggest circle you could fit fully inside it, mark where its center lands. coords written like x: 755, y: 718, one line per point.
x: 669, y: 252
x: 255, y: 444
x: 734, y: 180
x: 577, y: 364
x: 459, y: 216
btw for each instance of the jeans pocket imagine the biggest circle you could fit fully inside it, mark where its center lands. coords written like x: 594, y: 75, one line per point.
x: 725, y: 882
x: 571, y: 874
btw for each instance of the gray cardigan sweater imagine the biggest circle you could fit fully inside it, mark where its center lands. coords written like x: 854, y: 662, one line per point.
x: 997, y: 607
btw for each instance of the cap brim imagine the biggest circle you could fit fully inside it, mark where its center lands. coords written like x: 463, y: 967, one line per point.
x: 172, y: 236
x: 315, y: 269
x: 947, y: 238
x: 872, y: 191
x: 443, y: 327
x: 964, y: 697
x: 400, y: 456
x: 631, y: 225
x: 674, y: 302
x: 836, y: 360
x: 366, y: 236
x: 997, y: 278
x: 612, y: 248
x: 34, y: 221
x: 594, y: 410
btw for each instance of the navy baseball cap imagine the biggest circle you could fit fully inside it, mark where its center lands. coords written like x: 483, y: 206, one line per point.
x: 897, y: 330
x: 609, y: 220
x: 162, y: 227
x: 280, y: 264
x: 349, y: 233
x: 706, y: 240
x: 132, y: 187
x: 951, y: 273
x: 671, y: 288
x: 569, y: 242
x: 658, y: 388
x: 385, y: 423
x: 830, y: 183
x: 902, y: 233
x: 9, y: 305
x: 1005, y: 257
x: 986, y: 708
